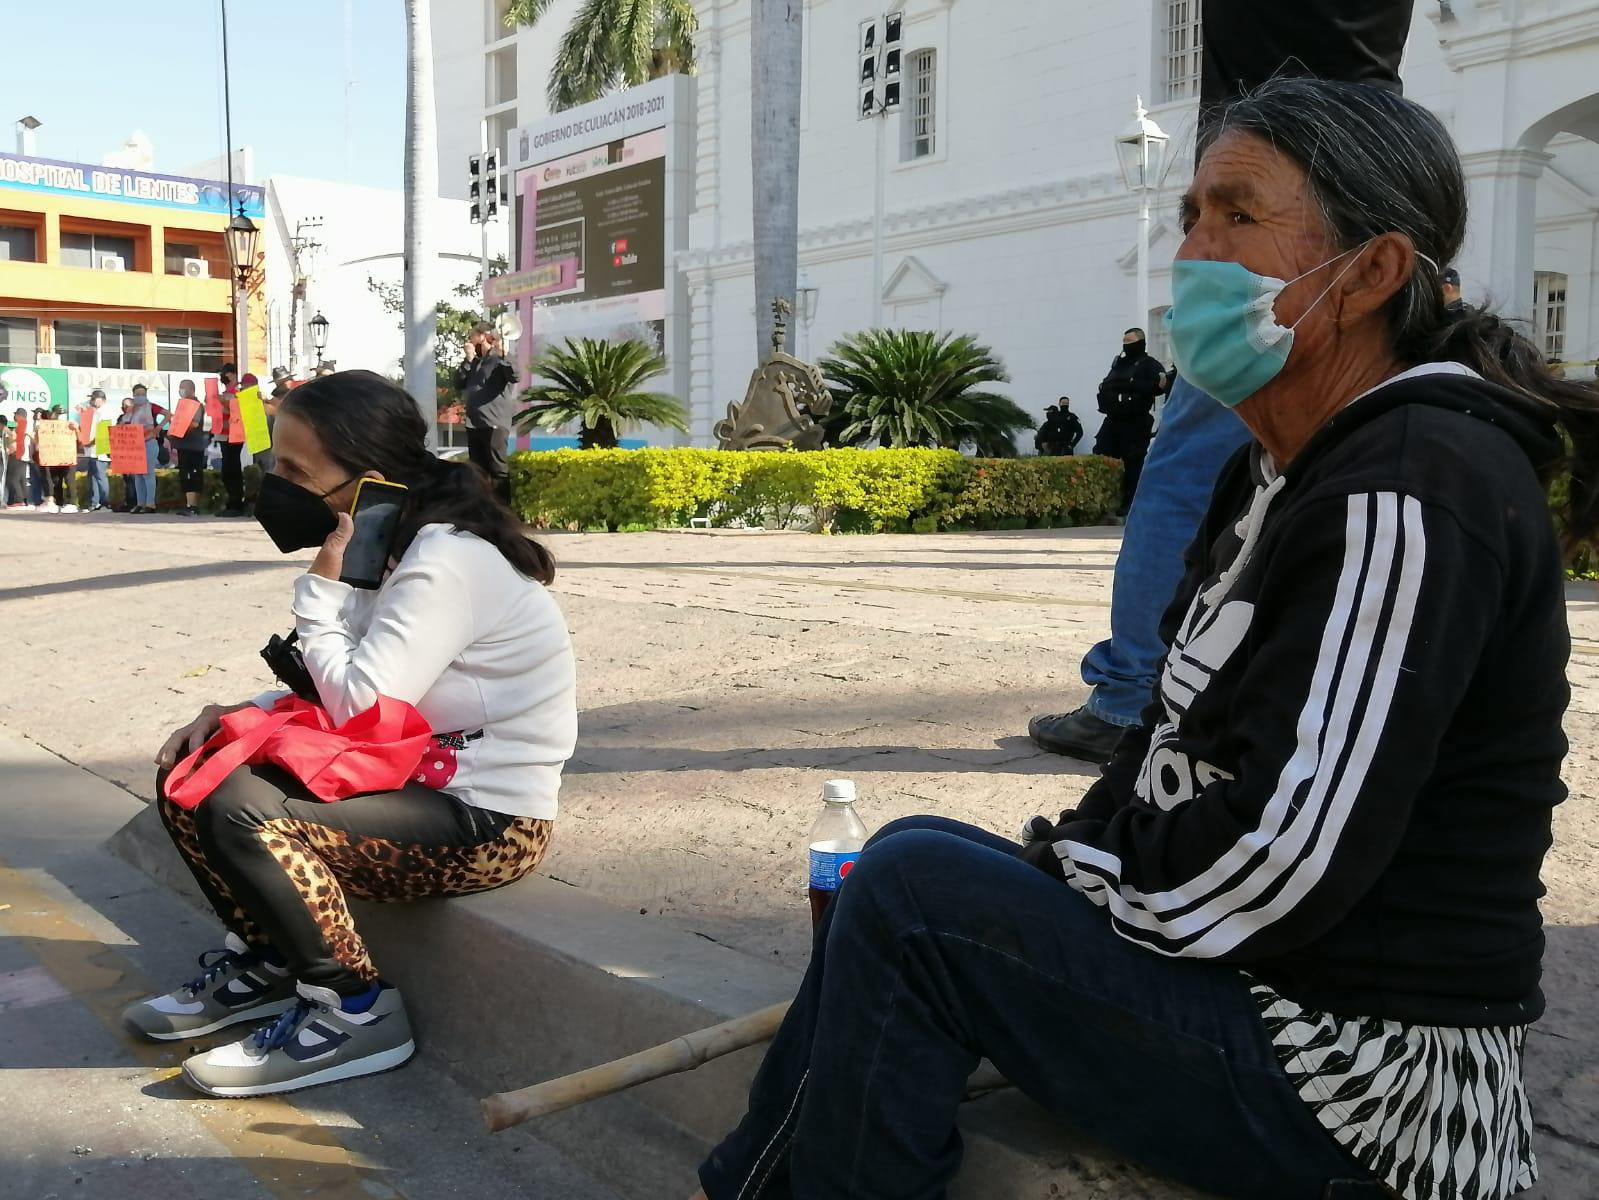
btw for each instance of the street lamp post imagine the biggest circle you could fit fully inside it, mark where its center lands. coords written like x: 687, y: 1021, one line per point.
x: 806, y: 295
x: 319, y: 336
x: 1141, y: 151
x: 242, y: 235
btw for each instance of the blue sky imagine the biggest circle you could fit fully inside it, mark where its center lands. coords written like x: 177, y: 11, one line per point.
x: 96, y: 70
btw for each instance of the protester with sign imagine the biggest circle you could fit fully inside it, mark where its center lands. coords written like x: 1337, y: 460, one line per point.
x: 144, y: 482
x: 90, y: 416
x: 191, y: 434
x: 463, y: 629
x: 122, y: 459
x: 229, y: 430
x: 58, y: 452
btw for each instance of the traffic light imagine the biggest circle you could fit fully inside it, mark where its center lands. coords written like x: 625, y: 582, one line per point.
x: 491, y: 185
x: 880, y: 57
x: 474, y: 187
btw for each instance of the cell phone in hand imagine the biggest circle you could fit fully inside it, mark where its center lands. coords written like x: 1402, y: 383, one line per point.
x: 376, y: 513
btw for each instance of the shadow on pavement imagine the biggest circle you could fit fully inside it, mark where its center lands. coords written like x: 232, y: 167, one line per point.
x: 133, y: 579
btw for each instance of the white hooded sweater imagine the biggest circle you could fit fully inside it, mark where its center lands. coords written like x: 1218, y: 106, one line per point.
x: 479, y: 649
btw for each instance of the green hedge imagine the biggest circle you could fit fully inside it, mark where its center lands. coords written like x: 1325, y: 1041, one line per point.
x: 169, y: 494
x: 844, y: 490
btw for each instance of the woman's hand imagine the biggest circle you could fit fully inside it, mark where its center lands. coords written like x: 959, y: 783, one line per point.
x: 189, y: 738
x: 329, y: 561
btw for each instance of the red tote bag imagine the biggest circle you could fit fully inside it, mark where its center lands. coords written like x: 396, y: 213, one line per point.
x: 375, y: 751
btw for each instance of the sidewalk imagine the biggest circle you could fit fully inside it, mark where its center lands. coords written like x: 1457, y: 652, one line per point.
x: 722, y: 678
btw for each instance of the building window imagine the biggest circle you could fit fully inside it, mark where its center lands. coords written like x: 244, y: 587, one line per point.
x: 1183, y: 44
x: 1158, y: 346
x: 92, y: 344
x: 18, y: 243
x: 96, y: 251
x: 19, y: 341
x: 498, y: 30
x: 196, y: 350
x: 918, y: 131
x: 499, y: 79
x: 181, y: 255
x: 1549, y: 313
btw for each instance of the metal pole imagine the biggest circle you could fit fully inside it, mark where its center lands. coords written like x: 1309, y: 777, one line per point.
x: 1143, y: 259
x: 881, y: 121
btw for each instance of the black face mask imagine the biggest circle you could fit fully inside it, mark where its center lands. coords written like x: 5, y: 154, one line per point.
x: 294, y: 517
x: 1134, y: 349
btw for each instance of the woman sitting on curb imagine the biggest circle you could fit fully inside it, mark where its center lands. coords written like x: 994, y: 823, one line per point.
x: 463, y: 629
x: 1288, y: 947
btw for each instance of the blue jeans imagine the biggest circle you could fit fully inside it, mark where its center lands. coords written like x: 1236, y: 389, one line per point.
x: 36, y: 490
x: 144, y: 485
x: 943, y: 948
x: 99, y: 485
x: 1196, y: 438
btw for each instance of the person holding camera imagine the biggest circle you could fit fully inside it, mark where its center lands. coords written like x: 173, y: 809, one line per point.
x: 487, y: 383
x: 462, y: 628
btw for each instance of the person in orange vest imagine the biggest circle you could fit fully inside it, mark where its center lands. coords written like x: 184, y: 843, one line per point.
x: 229, y: 430
x: 191, y: 448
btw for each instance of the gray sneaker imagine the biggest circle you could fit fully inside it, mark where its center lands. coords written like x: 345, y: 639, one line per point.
x: 315, y: 1042
x: 233, y: 986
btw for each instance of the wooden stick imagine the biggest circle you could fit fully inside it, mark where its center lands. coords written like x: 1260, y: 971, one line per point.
x: 505, y: 1109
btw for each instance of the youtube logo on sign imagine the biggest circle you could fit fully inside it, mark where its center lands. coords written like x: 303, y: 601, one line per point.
x: 619, y: 255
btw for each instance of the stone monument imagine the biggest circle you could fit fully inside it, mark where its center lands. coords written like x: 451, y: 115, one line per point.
x: 782, y: 402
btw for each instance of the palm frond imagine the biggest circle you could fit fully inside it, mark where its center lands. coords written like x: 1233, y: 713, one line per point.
x: 915, y: 388
x: 600, y: 384
x: 526, y: 12
x: 585, y: 66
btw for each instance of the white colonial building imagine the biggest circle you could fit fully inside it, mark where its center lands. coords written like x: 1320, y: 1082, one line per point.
x: 1006, y: 215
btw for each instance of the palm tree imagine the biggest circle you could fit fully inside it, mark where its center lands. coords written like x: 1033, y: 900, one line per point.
x: 599, y: 384
x: 612, y: 44
x: 908, y: 388
x: 775, y: 64
x: 421, y: 186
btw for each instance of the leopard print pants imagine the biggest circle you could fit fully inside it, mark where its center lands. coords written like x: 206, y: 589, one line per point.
x: 277, y: 868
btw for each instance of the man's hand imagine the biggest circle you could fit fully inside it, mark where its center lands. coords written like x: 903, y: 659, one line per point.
x: 472, y: 349
x: 329, y: 561
x: 189, y: 738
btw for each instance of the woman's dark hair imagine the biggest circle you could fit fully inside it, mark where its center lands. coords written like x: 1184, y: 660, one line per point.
x: 1379, y: 163
x: 365, y: 423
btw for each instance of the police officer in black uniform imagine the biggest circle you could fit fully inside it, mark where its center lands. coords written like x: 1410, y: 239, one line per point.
x: 1127, y: 398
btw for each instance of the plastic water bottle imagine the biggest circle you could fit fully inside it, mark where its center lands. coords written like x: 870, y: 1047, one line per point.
x: 835, y: 840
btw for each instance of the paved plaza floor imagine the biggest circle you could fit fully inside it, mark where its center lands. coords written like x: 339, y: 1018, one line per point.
x: 722, y: 678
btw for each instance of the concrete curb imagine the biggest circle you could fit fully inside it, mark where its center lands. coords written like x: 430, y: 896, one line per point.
x: 490, y: 977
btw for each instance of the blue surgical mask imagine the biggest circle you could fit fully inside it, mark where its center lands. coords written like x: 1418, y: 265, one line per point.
x: 1223, y: 327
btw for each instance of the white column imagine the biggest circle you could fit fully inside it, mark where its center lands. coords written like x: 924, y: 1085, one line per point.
x: 703, y: 409
x: 1496, y: 264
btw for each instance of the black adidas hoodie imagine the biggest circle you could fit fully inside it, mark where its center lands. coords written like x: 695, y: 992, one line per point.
x: 1345, y: 783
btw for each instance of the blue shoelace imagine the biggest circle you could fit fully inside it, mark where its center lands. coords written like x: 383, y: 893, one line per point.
x: 212, y: 964
x: 272, y: 1037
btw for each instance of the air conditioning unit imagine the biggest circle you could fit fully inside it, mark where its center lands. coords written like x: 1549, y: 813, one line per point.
x: 110, y: 262
x: 196, y: 268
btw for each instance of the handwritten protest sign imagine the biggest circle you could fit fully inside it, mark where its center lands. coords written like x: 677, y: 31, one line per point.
x: 127, y: 450
x: 57, y: 446
x: 102, y: 438
x: 213, y: 389
x: 252, y: 414
x: 188, y: 410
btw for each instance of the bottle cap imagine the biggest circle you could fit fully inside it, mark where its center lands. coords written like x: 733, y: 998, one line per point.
x: 839, y: 791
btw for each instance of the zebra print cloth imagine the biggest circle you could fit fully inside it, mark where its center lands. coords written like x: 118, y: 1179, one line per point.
x: 1435, y: 1113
